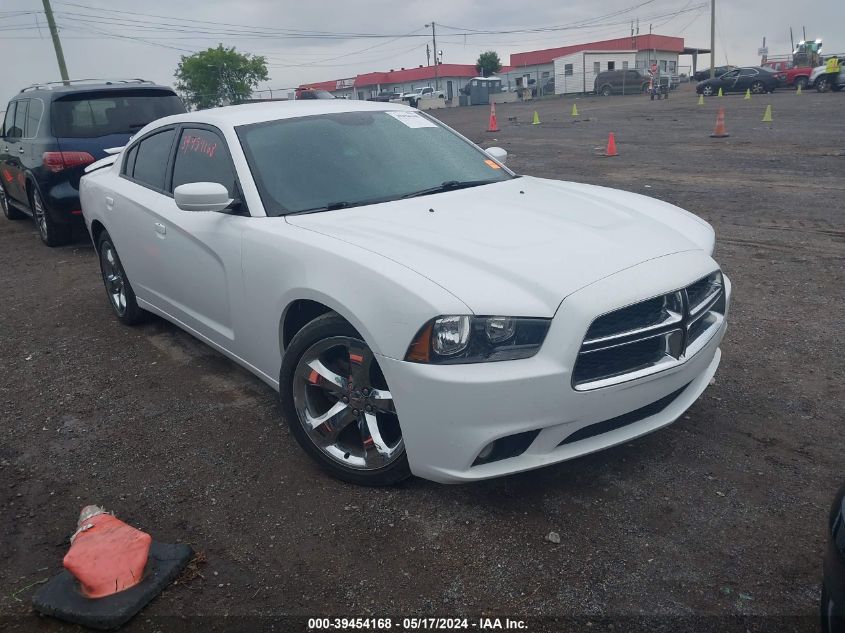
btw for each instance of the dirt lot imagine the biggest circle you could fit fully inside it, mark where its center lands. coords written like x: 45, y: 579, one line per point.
x: 714, y: 518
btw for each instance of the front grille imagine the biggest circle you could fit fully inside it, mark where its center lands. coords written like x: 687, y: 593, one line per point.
x: 649, y: 336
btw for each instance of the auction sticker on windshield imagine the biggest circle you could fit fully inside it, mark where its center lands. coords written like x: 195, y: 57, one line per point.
x: 411, y: 119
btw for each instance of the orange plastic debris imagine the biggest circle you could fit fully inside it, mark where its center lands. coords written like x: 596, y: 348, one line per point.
x: 106, y: 555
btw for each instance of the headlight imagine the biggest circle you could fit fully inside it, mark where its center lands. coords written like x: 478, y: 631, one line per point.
x: 471, y: 339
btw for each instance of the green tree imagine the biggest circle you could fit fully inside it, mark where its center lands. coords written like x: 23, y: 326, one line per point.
x: 488, y: 63
x: 219, y: 76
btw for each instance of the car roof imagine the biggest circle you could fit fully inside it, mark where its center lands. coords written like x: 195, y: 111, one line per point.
x: 246, y: 114
x: 58, y: 88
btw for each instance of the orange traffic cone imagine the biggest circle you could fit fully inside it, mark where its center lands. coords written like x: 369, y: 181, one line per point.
x: 493, y: 126
x: 611, y: 145
x: 720, y: 131
x: 112, y: 571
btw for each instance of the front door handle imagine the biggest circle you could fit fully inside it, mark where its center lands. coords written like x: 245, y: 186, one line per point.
x: 109, y: 203
x: 160, y: 228
x: 21, y: 150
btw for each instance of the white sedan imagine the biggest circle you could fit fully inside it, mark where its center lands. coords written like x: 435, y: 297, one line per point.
x: 421, y: 312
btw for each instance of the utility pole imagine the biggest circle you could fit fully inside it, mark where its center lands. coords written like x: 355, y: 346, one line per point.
x: 434, y: 47
x: 712, y: 39
x: 427, y: 55
x: 54, y: 33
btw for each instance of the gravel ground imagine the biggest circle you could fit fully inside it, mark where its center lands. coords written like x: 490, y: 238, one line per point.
x: 713, y: 521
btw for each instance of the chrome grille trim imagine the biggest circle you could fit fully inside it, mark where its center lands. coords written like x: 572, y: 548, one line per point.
x: 602, y: 360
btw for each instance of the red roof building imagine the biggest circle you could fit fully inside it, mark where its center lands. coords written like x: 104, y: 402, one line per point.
x: 638, y: 42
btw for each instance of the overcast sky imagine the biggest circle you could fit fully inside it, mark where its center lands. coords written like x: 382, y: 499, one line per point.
x: 97, y: 34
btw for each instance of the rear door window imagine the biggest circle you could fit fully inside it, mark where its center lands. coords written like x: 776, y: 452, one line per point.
x: 202, y: 157
x: 20, y: 119
x: 33, y: 118
x: 93, y: 114
x: 9, y: 121
x: 151, y: 159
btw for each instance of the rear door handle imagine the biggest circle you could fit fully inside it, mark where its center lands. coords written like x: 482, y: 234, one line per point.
x: 109, y: 203
x: 21, y: 150
x: 160, y: 228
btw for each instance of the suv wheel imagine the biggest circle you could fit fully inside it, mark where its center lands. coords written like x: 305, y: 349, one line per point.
x: 821, y: 84
x: 606, y: 91
x: 338, y: 406
x: 52, y: 234
x: 9, y: 210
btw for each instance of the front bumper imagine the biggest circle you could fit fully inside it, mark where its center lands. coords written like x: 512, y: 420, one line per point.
x: 450, y: 413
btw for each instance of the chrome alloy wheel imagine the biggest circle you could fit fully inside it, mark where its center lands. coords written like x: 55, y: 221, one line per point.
x: 113, y: 278
x: 40, y: 215
x: 343, y: 403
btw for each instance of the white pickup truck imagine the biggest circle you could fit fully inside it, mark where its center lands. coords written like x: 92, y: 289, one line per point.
x: 819, y: 80
x: 428, y: 92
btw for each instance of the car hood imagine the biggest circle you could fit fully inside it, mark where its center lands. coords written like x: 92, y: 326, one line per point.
x: 517, y: 247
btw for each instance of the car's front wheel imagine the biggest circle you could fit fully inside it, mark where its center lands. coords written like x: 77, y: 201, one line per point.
x: 338, y: 405
x: 119, y: 290
x: 801, y: 83
x: 707, y: 91
x: 9, y: 210
x: 52, y: 233
x: 605, y: 91
x: 821, y: 84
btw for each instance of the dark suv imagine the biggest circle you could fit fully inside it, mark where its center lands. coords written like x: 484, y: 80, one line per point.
x: 621, y: 82
x: 52, y: 131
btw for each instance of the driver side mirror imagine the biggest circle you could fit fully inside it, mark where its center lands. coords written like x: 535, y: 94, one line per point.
x: 497, y: 153
x: 202, y: 196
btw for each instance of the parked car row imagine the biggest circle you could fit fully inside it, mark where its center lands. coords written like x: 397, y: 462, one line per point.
x: 52, y: 131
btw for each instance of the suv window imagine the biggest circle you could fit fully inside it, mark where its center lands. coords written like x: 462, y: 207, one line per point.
x: 202, y: 157
x: 20, y: 120
x: 33, y: 117
x: 89, y: 115
x: 151, y: 159
x: 9, y: 122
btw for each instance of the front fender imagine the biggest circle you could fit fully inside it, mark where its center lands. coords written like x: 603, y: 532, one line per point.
x: 384, y: 300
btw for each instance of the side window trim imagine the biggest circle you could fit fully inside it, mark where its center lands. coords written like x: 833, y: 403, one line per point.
x: 239, y: 197
x: 136, y: 143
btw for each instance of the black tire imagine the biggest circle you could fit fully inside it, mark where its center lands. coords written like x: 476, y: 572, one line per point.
x: 9, y: 209
x: 125, y: 309
x: 821, y: 84
x: 51, y: 232
x: 606, y: 91
x: 801, y: 82
x: 708, y: 91
x: 758, y: 88
x: 328, y: 326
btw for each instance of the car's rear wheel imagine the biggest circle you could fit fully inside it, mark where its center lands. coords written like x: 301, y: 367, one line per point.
x: 9, y: 210
x: 119, y: 290
x: 338, y: 405
x: 758, y: 88
x: 52, y: 233
x: 707, y: 91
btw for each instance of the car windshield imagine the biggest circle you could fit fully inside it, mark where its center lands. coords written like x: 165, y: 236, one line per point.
x: 333, y: 161
x: 89, y: 115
